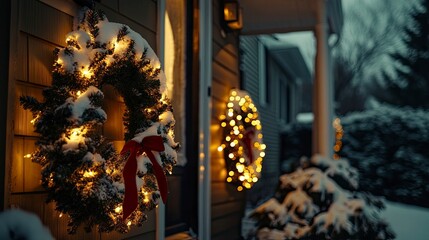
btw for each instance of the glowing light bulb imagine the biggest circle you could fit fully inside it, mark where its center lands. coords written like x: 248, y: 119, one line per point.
x: 28, y: 155
x: 78, y: 93
x: 220, y: 148
x: 129, y: 223
x: 239, y: 188
x: 89, y: 173
x: 118, y: 209
x: 60, y: 216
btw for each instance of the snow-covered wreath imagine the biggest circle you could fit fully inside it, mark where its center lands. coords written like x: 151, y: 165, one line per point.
x: 242, y: 144
x: 83, y: 173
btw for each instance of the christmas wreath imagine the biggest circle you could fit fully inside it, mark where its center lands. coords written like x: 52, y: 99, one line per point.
x: 242, y: 144
x: 81, y: 170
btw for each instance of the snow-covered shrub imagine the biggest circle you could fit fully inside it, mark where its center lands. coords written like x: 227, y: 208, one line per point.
x: 319, y: 201
x: 389, y: 148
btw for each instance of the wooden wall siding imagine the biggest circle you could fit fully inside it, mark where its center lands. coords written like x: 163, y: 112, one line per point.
x: 40, y: 29
x: 227, y: 203
x: 269, y: 119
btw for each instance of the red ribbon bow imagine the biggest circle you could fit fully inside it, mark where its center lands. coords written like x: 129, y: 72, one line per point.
x: 148, y: 144
x: 247, y: 140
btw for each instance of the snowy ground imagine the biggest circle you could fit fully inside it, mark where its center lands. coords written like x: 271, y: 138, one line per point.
x: 408, y: 222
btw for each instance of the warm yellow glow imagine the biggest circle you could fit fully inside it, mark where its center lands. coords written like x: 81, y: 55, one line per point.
x: 231, y: 155
x: 33, y: 121
x: 231, y: 173
x: 118, y: 209
x: 262, y: 154
x: 229, y: 179
x: 220, y: 148
x: 239, y: 188
x: 60, y: 216
x: 129, y: 223
x: 230, y: 114
x: 89, y: 173
x: 230, y: 105
x: 241, y: 178
x: 86, y: 73
x: 145, y: 197
x: 78, y: 93
x: 28, y: 155
x: 223, y: 124
x: 76, y: 135
x: 242, y: 160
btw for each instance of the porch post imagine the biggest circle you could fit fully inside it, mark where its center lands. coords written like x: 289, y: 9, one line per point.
x: 322, y: 94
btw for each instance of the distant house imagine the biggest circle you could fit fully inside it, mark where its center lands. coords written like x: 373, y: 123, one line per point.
x: 202, y: 60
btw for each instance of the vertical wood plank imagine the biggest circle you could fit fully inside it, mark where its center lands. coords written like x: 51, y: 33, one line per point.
x: 17, y: 171
x: 113, y: 128
x: 143, y: 12
x: 32, y: 170
x: 40, y: 61
x: 22, y: 57
x: 44, y: 21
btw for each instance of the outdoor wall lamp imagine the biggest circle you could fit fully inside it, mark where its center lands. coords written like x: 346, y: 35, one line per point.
x: 232, y: 14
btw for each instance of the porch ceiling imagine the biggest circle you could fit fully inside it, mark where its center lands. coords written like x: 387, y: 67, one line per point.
x: 281, y: 16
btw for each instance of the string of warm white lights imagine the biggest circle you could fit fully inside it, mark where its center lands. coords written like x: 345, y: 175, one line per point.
x: 339, y: 132
x: 242, y: 144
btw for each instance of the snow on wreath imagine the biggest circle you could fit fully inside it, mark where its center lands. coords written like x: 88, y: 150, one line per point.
x: 83, y: 173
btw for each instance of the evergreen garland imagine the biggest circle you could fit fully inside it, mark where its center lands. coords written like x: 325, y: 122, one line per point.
x: 81, y: 170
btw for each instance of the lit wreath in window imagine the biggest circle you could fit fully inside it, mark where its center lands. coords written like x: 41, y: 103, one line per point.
x: 242, y: 143
x: 81, y: 170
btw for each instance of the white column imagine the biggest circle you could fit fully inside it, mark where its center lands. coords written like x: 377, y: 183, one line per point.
x: 204, y: 178
x: 322, y: 93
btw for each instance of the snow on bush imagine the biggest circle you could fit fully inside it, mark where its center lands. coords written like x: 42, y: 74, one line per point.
x: 18, y: 224
x: 319, y: 201
x: 387, y: 145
